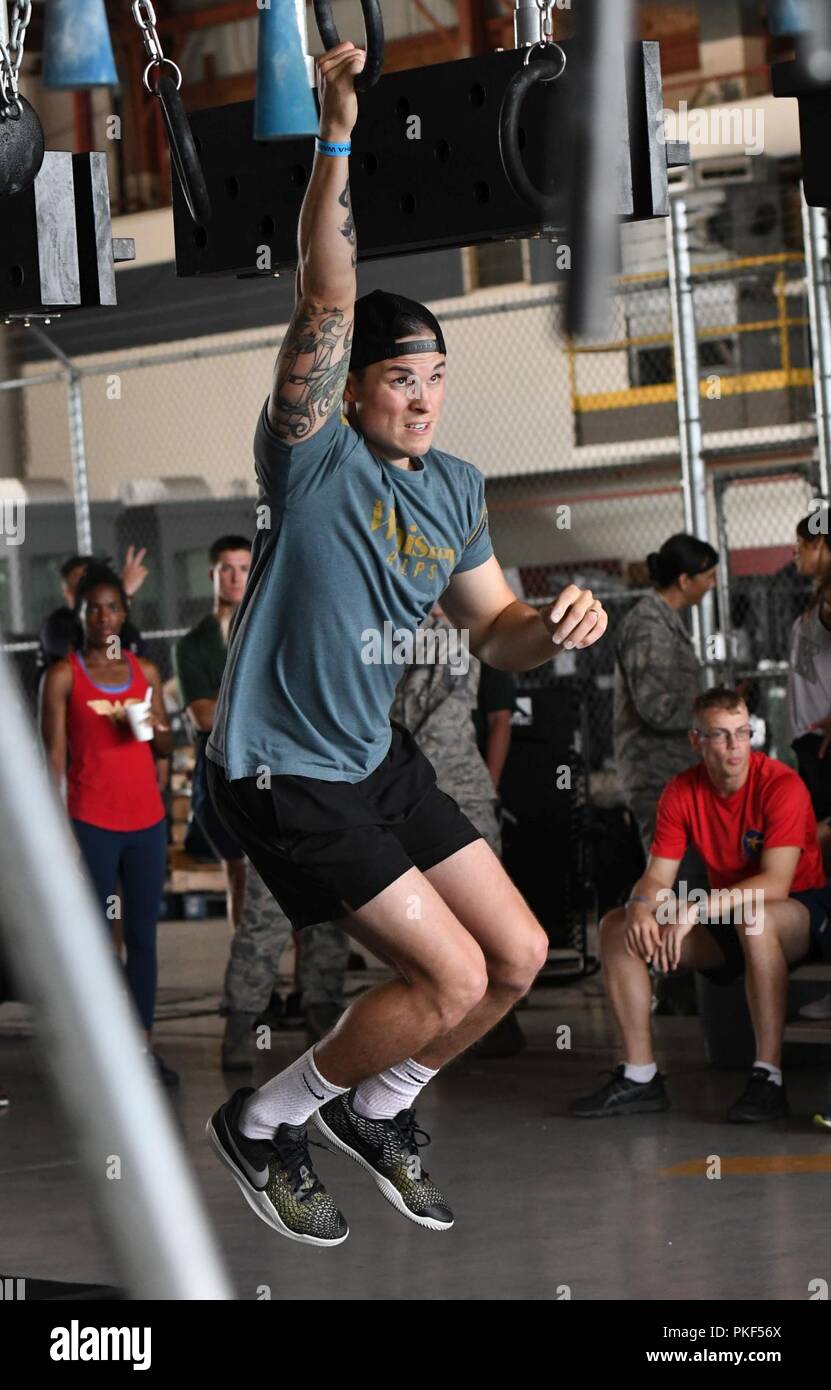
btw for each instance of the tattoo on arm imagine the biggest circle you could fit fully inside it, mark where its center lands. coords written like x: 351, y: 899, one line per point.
x: 348, y: 228
x: 312, y: 369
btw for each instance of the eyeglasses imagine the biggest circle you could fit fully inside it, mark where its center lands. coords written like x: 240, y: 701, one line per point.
x: 720, y: 736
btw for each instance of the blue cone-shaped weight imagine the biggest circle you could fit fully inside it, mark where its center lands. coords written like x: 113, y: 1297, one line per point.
x: 285, y: 104
x: 789, y: 16
x: 77, y: 51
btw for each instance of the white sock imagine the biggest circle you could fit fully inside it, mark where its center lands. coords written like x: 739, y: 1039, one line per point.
x: 381, y: 1097
x: 288, y: 1099
x: 640, y: 1074
x: 775, y: 1073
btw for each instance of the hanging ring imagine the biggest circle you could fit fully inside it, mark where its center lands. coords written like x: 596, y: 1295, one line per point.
x: 158, y: 63
x: 548, y: 205
x: 374, y: 25
x: 541, y: 44
x: 183, y: 153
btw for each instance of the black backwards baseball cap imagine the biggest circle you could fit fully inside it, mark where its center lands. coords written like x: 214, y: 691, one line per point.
x: 372, y: 332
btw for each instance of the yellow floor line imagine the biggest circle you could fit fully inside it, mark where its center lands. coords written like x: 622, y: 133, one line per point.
x: 753, y: 1163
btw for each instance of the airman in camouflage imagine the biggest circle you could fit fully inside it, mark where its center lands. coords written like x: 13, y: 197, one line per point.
x: 435, y: 701
x: 256, y: 950
x: 258, y: 946
x: 657, y: 677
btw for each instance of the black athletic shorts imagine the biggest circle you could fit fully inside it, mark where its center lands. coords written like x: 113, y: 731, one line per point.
x: 323, y: 846
x: 726, y: 935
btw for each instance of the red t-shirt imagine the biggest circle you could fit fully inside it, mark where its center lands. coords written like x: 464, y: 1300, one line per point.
x: 111, y: 778
x: 772, y: 809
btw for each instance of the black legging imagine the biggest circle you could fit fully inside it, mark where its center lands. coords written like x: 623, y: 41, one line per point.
x: 138, y: 859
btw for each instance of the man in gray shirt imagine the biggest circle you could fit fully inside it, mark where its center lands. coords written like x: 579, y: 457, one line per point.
x: 367, y: 525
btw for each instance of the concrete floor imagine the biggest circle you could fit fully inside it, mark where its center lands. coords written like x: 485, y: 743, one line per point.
x: 617, y: 1209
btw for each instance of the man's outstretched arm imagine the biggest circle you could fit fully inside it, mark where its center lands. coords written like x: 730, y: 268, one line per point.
x: 313, y: 361
x: 510, y: 634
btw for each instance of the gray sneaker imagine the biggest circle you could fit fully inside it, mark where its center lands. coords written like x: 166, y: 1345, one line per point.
x: 620, y: 1096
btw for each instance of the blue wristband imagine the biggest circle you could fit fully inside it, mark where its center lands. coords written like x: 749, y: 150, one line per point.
x: 330, y: 147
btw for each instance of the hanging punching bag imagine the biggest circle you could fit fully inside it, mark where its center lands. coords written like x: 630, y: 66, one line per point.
x: 284, y: 104
x: 77, y: 51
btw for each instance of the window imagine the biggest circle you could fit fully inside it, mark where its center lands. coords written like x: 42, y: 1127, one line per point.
x: 496, y: 263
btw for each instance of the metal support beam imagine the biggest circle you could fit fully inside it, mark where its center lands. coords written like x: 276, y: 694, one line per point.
x: 77, y: 442
x: 693, y: 474
x: 723, y: 575
x: 815, y: 230
x: 598, y: 127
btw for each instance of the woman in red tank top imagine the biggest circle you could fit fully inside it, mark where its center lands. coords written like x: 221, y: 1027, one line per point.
x: 112, y: 792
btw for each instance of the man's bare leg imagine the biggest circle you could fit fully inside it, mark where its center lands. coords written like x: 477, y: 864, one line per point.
x: 491, y: 924
x: 627, y: 982
x: 514, y: 944
x: 443, y: 977
x: 785, y: 937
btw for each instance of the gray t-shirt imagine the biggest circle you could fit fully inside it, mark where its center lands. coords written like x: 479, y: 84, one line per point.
x: 353, y: 543
x: 809, y: 681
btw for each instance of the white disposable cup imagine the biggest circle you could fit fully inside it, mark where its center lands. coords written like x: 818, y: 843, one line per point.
x: 137, y: 719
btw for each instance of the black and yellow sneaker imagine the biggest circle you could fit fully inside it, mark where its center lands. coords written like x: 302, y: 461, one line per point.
x: 822, y: 1119
x: 388, y: 1150
x: 276, y: 1177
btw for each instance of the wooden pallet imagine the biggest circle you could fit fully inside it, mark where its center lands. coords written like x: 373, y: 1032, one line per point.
x: 805, y: 1030
x: 816, y: 970
x: 188, y: 875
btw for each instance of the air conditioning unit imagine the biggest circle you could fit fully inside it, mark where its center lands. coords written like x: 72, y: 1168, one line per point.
x: 753, y: 222
x: 34, y: 490
x: 730, y: 169
x: 143, y: 492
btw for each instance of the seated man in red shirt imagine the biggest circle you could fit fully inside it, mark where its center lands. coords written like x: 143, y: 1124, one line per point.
x: 750, y: 817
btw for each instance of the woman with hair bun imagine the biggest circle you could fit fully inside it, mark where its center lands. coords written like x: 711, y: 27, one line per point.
x: 658, y: 675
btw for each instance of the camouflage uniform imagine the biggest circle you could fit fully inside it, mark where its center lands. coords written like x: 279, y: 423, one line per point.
x: 436, y: 705
x: 657, y: 677
x: 258, y: 945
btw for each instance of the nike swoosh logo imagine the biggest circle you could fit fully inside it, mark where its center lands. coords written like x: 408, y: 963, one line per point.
x: 259, y: 1179
x: 309, y: 1088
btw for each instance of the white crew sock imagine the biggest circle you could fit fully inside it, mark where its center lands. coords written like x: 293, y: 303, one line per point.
x: 775, y: 1073
x: 288, y: 1099
x: 381, y: 1097
x: 640, y: 1074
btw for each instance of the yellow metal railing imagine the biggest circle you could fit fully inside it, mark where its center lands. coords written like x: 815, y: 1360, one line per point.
x: 783, y: 378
